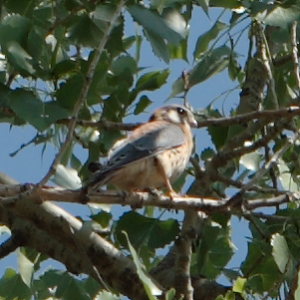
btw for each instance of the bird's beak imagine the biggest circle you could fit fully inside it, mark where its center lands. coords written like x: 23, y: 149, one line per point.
x: 193, y: 123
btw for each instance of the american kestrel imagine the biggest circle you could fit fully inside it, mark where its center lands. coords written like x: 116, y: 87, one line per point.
x: 153, y: 155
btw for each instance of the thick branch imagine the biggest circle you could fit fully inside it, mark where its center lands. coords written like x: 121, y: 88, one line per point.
x: 52, y: 231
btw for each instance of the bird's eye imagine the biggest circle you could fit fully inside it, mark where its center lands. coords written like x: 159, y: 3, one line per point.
x: 180, y: 110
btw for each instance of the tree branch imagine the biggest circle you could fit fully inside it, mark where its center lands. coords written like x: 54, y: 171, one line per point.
x: 9, y: 246
x: 270, y: 115
x: 141, y: 199
x: 295, y: 58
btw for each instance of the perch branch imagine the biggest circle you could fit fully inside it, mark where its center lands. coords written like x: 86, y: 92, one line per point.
x: 141, y: 199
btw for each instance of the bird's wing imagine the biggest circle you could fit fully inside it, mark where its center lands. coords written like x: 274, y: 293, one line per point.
x: 145, y: 142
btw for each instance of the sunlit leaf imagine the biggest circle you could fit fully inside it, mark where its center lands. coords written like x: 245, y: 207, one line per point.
x: 280, y: 251
x: 251, y: 161
x: 151, y: 289
x: 285, y: 177
x: 239, y: 285
x: 297, y: 290
x: 26, y: 268
x: 282, y: 17
x: 105, y: 295
x: 66, y: 177
x: 19, y: 58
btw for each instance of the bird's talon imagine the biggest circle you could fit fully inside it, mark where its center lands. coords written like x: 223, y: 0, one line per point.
x: 173, y: 194
x: 154, y: 192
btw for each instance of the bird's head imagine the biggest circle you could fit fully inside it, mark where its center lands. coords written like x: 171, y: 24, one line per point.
x: 177, y: 114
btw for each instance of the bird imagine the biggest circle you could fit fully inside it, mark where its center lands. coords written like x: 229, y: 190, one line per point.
x: 155, y: 153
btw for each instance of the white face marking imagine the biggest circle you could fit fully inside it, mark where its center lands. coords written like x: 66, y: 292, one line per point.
x: 173, y: 116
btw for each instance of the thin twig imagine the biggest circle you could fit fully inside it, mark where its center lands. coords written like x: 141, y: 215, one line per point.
x: 83, y: 94
x: 273, y: 159
x: 8, y: 246
x: 295, y: 53
x: 270, y: 115
x: 259, y: 174
x: 266, y: 56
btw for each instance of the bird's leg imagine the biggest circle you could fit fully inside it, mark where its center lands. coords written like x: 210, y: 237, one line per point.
x: 171, y: 193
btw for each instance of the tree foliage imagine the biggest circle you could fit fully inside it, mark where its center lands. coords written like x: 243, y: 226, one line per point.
x: 74, y: 70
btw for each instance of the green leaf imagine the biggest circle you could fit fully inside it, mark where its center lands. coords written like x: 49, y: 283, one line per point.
x: 143, y: 103
x: 214, y: 252
x: 19, y: 58
x: 239, y: 285
x: 12, y: 286
x: 280, y: 252
x: 213, y: 63
x: 251, y: 161
x: 54, y: 112
x: 225, y: 4
x: 64, y: 67
x: 26, y: 268
x: 177, y: 88
x: 64, y: 285
x: 159, y: 46
x: 282, y: 17
x: 103, y: 218
x: 68, y: 92
x: 260, y: 266
x: 179, y: 51
x: 28, y: 107
x: 155, y: 24
x: 204, y: 39
x: 297, y: 290
x: 14, y: 28
x: 285, y: 177
x: 218, y: 134
x: 124, y: 65
x: 152, y: 81
x: 149, y: 232
x: 170, y: 294
x: 21, y: 6
x: 105, y: 295
x: 151, y: 289
x: 104, y: 12
x: 84, y: 31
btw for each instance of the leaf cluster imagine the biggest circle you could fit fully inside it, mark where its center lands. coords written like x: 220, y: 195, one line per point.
x: 47, y: 50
